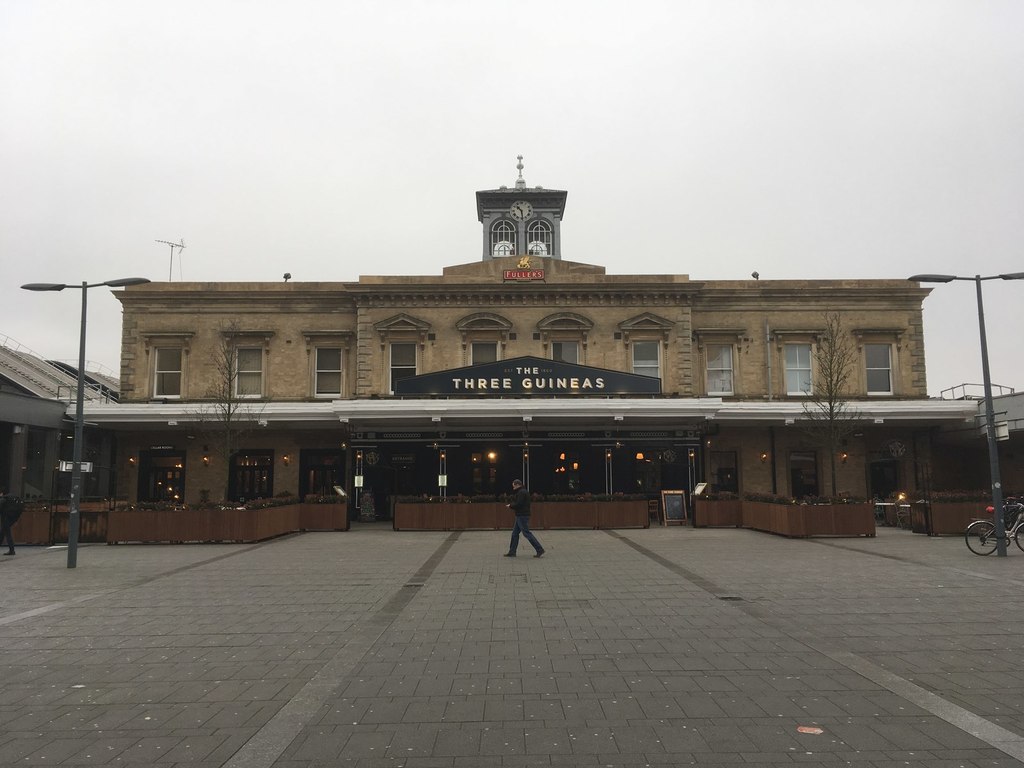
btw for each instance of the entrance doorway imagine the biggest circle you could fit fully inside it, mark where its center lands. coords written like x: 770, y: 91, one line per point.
x: 161, y: 476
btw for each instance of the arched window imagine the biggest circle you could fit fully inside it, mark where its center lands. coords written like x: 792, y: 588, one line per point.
x: 503, y: 239
x: 538, y: 235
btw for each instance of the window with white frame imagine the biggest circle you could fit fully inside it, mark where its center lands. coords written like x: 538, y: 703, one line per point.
x: 403, y: 361
x: 483, y: 352
x: 503, y: 239
x: 719, y: 369
x: 646, y: 358
x: 249, y: 372
x: 798, y: 369
x: 167, y: 372
x: 878, y: 363
x: 566, y: 351
x: 327, y: 377
x: 538, y: 237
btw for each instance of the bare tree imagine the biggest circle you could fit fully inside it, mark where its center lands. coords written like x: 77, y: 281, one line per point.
x: 828, y: 416
x: 226, y: 416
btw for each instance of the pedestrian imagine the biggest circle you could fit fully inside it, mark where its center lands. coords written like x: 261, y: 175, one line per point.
x: 10, y: 511
x: 521, y: 507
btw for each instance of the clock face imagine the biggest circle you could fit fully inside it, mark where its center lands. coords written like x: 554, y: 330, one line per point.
x: 520, y: 210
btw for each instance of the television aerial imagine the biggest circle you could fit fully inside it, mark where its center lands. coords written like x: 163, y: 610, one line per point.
x: 180, y: 246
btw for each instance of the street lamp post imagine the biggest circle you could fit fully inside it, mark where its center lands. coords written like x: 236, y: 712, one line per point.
x: 990, y: 420
x: 74, y: 520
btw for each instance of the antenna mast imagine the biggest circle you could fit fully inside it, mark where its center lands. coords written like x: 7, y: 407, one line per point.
x: 180, y: 246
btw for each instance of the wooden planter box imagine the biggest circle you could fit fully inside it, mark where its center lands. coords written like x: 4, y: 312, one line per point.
x: 545, y: 515
x: 33, y: 527
x: 800, y: 520
x: 194, y: 525
x: 92, y: 525
x: 323, y: 517
x: 949, y: 517
x: 711, y: 513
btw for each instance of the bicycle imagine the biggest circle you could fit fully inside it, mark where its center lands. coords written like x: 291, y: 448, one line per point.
x: 980, y: 535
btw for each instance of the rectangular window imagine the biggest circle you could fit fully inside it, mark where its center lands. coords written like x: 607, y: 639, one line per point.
x: 328, y: 371
x: 483, y: 352
x: 798, y: 369
x: 566, y: 351
x: 249, y: 373
x: 646, y: 358
x: 878, y: 359
x: 719, y: 369
x: 723, y: 471
x: 403, y: 362
x: 167, y: 381
x: 803, y: 474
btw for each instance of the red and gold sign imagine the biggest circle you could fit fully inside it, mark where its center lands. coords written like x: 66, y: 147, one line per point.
x: 524, y: 271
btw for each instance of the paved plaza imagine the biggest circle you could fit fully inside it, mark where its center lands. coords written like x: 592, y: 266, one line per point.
x: 662, y: 647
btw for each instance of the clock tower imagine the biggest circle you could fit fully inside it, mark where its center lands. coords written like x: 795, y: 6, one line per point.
x: 521, y: 220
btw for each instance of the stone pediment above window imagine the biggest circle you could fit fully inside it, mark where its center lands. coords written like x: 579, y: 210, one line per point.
x: 565, y: 325
x: 484, y: 325
x: 719, y: 336
x: 796, y: 335
x: 181, y: 339
x: 339, y: 338
x: 868, y: 335
x: 566, y: 321
x: 647, y: 325
x: 247, y: 336
x: 402, y: 325
x: 483, y: 321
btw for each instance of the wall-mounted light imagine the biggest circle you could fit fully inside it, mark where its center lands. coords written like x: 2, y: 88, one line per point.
x: 764, y: 456
x: 844, y: 456
x: 491, y: 455
x: 286, y: 459
x: 131, y: 460
x: 639, y: 456
x: 206, y: 460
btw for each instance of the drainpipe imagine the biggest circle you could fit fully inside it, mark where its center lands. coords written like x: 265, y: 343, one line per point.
x: 771, y: 453
x: 768, y: 355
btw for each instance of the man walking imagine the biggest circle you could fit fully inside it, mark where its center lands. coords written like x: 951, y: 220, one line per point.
x: 521, y: 507
x: 10, y: 511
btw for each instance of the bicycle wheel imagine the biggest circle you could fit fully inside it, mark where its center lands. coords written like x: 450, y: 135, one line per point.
x: 981, y: 537
x: 1017, y: 538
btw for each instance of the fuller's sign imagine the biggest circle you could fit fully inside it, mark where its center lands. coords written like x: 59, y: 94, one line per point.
x: 528, y: 376
x: 524, y: 271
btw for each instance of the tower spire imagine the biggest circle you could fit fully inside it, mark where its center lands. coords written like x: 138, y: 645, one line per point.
x: 520, y: 182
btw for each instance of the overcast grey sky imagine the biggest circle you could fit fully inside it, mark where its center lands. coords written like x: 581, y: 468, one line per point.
x: 802, y: 139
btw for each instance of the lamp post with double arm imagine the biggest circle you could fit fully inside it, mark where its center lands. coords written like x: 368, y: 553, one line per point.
x: 990, y: 422
x: 74, y: 519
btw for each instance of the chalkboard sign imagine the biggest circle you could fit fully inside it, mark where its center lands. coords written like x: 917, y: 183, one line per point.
x: 674, y: 503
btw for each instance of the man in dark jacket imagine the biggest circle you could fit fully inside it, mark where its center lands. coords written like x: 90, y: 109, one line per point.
x: 9, y: 506
x: 521, y: 506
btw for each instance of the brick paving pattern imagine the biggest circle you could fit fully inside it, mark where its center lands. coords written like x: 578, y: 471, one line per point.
x: 661, y: 647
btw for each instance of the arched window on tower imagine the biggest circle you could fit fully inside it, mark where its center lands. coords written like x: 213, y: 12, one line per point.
x: 503, y: 239
x: 538, y: 235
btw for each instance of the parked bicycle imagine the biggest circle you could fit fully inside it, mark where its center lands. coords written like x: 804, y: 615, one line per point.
x: 981, y: 534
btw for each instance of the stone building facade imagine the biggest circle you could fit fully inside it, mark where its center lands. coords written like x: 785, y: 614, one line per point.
x: 411, y: 385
